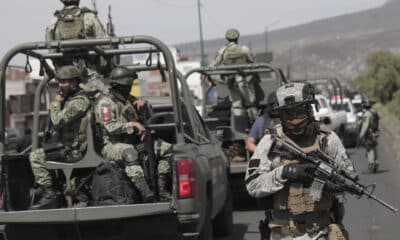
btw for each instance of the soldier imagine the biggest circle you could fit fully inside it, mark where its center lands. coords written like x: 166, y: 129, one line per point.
x: 241, y: 87
x: 117, y: 113
x: 67, y: 114
x: 369, y: 133
x: 263, y: 124
x: 294, y: 214
x: 73, y: 22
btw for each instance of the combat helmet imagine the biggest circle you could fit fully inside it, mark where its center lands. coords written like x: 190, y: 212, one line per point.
x: 70, y: 2
x: 293, y: 104
x: 122, y: 76
x: 292, y: 95
x: 232, y: 34
x: 69, y: 73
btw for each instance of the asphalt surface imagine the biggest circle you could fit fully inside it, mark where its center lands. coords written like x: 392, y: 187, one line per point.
x: 364, y: 218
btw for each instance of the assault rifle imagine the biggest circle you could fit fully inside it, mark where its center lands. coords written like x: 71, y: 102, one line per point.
x: 327, y: 173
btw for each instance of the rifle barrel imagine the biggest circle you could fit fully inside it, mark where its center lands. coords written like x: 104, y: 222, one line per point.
x: 380, y: 201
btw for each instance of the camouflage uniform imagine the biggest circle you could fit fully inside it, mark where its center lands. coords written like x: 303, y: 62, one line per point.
x: 69, y: 119
x: 73, y: 22
x: 294, y: 214
x: 369, y: 139
x: 242, y: 92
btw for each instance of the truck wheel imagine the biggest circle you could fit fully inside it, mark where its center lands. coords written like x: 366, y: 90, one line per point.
x: 207, y: 229
x: 223, y: 222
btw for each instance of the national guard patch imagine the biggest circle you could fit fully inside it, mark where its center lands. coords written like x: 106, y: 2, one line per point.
x: 106, y: 113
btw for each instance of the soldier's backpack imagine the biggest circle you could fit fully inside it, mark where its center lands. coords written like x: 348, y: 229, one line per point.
x: 70, y: 24
x: 111, y: 186
x: 234, y: 54
x: 375, y: 121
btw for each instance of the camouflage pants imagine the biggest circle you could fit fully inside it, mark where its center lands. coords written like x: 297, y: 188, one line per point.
x: 113, y: 152
x: 242, y: 95
x: 40, y: 172
x: 38, y: 158
x: 370, y: 144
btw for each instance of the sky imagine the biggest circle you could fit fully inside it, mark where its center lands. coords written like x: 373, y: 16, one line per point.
x: 175, y: 21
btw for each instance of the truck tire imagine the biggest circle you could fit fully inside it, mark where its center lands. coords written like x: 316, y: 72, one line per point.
x: 223, y: 222
x: 207, y: 228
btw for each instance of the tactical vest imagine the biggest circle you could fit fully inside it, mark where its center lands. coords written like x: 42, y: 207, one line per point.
x: 74, y: 133
x: 125, y: 112
x: 234, y: 54
x: 70, y: 24
x: 295, y: 197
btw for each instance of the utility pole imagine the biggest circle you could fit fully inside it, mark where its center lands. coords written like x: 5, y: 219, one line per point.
x: 202, y: 61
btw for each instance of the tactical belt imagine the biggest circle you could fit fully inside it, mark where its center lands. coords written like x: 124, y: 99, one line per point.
x: 312, y: 224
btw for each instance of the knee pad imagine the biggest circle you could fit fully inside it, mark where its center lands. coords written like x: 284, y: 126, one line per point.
x: 130, y: 157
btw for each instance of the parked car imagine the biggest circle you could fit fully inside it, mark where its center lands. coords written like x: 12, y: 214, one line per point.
x: 352, y: 124
x: 334, y: 119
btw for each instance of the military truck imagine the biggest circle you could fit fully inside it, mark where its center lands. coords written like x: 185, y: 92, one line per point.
x: 201, y: 202
x: 216, y: 108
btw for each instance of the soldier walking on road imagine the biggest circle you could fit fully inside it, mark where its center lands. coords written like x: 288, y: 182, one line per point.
x: 67, y: 114
x: 294, y: 213
x: 241, y: 87
x: 369, y: 133
x: 117, y: 113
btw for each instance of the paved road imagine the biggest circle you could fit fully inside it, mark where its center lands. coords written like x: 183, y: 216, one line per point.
x: 364, y: 218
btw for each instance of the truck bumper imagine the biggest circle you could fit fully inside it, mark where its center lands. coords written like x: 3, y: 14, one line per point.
x: 189, y: 225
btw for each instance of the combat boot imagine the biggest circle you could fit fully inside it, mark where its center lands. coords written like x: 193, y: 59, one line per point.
x: 145, y: 192
x: 48, y: 200
x: 162, y: 184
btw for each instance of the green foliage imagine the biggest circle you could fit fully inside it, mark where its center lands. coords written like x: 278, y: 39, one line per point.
x: 394, y: 104
x: 382, y: 78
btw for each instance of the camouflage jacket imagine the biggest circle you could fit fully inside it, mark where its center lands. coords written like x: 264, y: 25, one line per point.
x: 69, y: 118
x: 264, y: 173
x: 115, y: 117
x: 246, y: 56
x: 91, y: 24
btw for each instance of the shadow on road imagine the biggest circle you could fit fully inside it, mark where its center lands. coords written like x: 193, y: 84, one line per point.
x: 239, y: 230
x: 379, y: 171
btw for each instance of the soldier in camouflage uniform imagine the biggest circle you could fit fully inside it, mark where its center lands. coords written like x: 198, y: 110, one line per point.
x: 241, y: 87
x: 294, y: 214
x: 73, y: 22
x: 369, y: 135
x: 117, y: 114
x: 67, y: 114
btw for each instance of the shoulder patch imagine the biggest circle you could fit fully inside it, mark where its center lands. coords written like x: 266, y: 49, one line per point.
x: 106, y: 113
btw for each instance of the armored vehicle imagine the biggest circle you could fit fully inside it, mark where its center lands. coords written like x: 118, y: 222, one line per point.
x: 201, y: 201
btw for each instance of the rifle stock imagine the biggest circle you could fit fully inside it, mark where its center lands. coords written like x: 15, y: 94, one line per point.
x: 326, y: 171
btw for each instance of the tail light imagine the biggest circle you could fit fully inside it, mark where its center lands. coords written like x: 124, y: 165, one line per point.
x: 1, y: 201
x: 186, y: 179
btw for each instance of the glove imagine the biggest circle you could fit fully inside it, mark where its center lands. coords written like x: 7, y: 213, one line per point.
x: 297, y: 172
